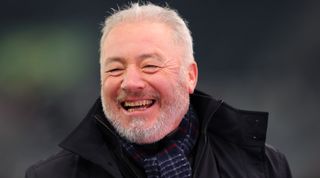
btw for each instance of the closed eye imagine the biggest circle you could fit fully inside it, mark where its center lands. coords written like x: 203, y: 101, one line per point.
x: 150, y: 68
x: 115, y: 71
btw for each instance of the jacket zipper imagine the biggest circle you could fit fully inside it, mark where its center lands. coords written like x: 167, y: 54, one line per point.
x: 200, y: 157
x: 204, y: 132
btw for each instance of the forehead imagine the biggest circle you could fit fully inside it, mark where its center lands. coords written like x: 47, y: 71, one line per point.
x: 139, y: 31
x: 138, y: 38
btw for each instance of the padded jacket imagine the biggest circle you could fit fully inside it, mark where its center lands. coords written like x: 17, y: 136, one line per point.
x: 231, y: 145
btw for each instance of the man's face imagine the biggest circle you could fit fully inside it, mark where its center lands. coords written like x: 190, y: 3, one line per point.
x: 144, y: 84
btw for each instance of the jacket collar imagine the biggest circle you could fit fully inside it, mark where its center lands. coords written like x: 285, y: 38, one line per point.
x: 246, y: 128
x: 88, y: 141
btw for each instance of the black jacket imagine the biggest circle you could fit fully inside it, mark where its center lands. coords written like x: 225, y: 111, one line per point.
x: 231, y: 145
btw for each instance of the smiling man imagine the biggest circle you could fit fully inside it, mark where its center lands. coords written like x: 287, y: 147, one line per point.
x: 145, y: 86
x: 150, y: 121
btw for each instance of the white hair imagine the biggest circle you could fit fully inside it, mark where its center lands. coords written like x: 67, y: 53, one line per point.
x: 136, y: 12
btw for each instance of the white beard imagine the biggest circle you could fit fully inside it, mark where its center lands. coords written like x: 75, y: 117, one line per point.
x: 172, y: 110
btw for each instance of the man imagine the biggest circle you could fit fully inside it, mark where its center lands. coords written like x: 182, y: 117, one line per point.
x: 150, y: 120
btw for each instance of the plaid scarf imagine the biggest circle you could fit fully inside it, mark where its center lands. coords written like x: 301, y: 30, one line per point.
x: 171, y: 160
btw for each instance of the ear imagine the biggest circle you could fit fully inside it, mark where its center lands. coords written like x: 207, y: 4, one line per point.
x: 192, y: 76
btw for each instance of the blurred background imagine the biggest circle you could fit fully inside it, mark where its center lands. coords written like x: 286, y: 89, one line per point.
x: 258, y: 55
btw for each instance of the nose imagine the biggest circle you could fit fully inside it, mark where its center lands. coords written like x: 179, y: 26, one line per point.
x: 132, y: 79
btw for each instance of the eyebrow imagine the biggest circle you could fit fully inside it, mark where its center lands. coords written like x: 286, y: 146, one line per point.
x: 140, y: 57
x: 113, y: 59
x: 151, y: 55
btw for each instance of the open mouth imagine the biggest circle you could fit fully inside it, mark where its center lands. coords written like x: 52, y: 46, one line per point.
x: 140, y: 105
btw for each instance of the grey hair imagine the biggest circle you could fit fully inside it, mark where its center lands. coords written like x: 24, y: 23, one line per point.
x: 136, y: 12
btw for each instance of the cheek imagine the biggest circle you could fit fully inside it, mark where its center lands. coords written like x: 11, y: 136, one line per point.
x: 109, y: 88
x: 165, y: 86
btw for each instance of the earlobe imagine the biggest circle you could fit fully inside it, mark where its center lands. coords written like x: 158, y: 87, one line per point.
x: 192, y: 76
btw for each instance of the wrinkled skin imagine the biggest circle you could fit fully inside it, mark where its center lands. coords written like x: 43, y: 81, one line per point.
x: 145, y: 82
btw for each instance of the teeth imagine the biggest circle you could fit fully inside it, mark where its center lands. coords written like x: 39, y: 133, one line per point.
x: 137, y: 103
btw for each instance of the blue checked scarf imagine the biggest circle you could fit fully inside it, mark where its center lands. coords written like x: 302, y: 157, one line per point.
x: 171, y: 160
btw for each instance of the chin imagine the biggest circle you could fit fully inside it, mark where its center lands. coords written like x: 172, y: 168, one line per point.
x: 145, y: 136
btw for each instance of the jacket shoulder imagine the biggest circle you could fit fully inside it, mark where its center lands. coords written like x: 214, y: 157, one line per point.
x: 61, y: 164
x: 276, y: 163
